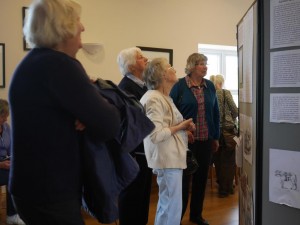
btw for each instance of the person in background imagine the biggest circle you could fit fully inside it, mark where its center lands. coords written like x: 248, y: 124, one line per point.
x: 166, y: 146
x: 12, y: 216
x: 134, y: 201
x: 51, y: 98
x: 224, y: 158
x: 196, y: 98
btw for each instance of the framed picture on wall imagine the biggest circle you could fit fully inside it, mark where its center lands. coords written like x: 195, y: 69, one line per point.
x: 151, y: 53
x: 26, y: 46
x: 2, y: 65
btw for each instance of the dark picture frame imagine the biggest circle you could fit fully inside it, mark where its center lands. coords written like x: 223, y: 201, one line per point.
x: 151, y: 53
x: 2, y: 65
x: 26, y: 46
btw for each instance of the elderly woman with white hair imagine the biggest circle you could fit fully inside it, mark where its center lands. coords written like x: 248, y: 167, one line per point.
x: 166, y: 146
x: 224, y: 158
x: 51, y: 98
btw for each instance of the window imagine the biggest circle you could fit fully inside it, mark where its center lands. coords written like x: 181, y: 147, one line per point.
x: 222, y: 60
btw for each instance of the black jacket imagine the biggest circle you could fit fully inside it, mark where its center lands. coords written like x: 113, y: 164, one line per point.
x: 132, y: 88
x: 108, y: 167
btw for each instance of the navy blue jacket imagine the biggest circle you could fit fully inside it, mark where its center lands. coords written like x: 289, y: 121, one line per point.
x: 108, y: 167
x: 187, y: 104
x: 132, y: 88
x: 49, y: 90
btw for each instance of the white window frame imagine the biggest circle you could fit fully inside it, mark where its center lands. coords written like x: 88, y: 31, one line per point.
x: 221, y: 51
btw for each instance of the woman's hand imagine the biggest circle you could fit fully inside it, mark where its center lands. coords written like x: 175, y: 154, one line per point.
x: 5, y: 164
x: 191, y: 138
x: 79, y: 126
x: 191, y: 127
x: 187, y: 125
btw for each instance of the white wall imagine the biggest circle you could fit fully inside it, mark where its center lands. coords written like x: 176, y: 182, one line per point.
x: 118, y: 24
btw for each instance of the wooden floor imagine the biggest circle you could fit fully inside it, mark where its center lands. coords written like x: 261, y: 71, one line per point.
x: 218, y: 211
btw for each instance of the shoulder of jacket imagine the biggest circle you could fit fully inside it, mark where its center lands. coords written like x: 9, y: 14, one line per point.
x: 181, y: 80
x: 208, y: 82
x: 152, y: 96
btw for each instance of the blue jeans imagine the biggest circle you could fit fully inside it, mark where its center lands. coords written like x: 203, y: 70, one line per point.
x: 169, y: 204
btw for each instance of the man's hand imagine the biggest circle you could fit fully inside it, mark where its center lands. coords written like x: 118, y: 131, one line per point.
x: 215, y: 145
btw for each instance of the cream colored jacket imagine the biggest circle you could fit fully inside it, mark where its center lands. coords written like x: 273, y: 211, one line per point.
x: 162, y: 149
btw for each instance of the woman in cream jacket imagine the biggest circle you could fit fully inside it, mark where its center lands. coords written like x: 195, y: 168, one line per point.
x: 166, y: 146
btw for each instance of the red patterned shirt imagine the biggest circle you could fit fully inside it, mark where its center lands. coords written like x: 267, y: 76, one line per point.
x: 201, y: 132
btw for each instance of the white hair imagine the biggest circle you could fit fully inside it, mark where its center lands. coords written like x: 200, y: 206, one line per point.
x: 126, y: 58
x: 50, y: 22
